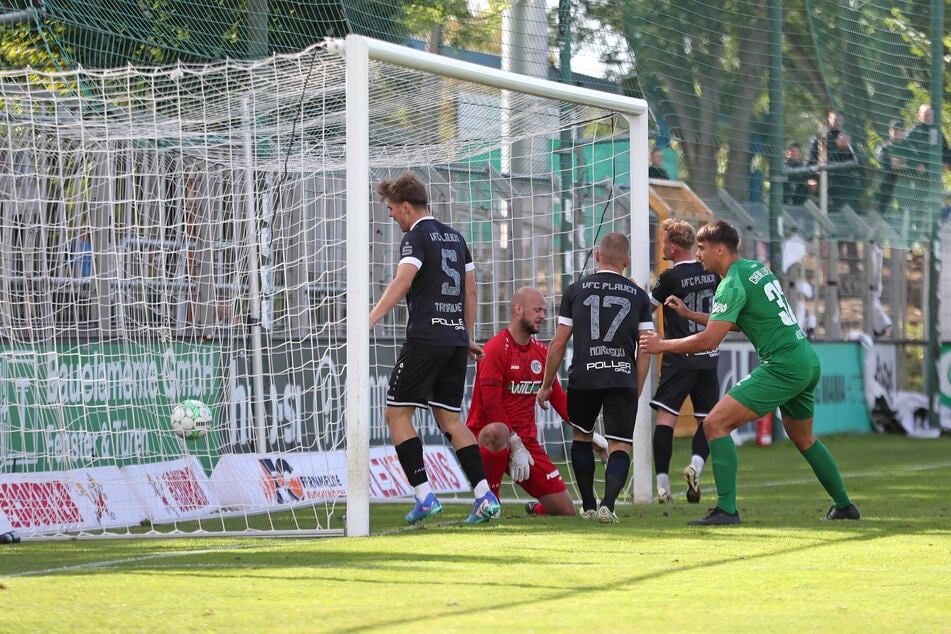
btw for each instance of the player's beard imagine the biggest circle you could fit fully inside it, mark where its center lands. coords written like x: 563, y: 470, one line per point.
x: 530, y: 327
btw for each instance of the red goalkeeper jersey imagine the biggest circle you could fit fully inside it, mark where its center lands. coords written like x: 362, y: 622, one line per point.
x: 506, y: 384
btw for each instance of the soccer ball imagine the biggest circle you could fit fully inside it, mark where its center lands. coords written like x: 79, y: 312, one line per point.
x: 191, y: 419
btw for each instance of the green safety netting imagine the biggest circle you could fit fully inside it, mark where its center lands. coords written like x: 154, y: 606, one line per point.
x: 111, y: 33
x: 703, y: 67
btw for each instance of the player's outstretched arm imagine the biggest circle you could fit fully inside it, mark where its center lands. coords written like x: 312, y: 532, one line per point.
x: 707, y: 339
x: 556, y: 354
x: 681, y: 309
x: 677, y: 305
x: 642, y: 365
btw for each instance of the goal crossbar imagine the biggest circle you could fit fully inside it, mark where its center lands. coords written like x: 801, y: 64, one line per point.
x: 358, y: 52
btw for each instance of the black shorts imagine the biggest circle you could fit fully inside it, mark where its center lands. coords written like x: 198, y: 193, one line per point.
x: 619, y: 406
x: 428, y: 376
x: 703, y: 387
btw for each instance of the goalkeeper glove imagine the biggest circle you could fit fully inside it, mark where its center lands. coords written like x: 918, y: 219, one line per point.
x: 520, y: 461
x: 601, y: 446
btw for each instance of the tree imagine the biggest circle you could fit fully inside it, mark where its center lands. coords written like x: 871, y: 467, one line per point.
x: 451, y: 22
x: 703, y: 66
x: 111, y: 33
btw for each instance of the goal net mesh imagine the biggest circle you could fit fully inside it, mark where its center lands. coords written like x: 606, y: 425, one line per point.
x: 179, y: 233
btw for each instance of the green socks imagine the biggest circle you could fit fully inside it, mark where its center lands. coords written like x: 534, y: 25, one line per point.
x: 823, y: 465
x: 725, y: 464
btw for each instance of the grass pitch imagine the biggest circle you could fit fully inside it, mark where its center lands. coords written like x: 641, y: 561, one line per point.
x: 781, y: 570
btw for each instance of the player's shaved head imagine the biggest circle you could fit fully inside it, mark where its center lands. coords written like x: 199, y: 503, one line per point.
x: 615, y: 249
x: 525, y: 295
x: 528, y: 313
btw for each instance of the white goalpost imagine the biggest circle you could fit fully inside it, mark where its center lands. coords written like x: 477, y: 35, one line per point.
x: 361, y: 53
x: 210, y: 232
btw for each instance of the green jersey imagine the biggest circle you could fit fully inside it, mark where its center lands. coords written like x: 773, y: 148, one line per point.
x: 750, y: 297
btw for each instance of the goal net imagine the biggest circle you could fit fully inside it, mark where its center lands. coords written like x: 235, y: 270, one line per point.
x: 210, y: 232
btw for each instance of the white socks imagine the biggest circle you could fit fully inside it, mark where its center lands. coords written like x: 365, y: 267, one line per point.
x: 422, y: 490
x: 697, y: 463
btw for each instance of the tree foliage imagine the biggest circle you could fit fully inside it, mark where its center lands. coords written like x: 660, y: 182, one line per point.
x: 702, y: 65
x: 454, y: 24
x: 703, y: 68
x: 110, y: 33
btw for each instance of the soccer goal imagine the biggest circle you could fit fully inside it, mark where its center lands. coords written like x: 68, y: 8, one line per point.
x: 209, y: 233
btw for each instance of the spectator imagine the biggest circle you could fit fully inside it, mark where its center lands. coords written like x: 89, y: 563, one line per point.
x: 80, y: 256
x: 833, y: 148
x: 920, y: 141
x: 894, y: 156
x: 655, y: 168
x: 796, y: 187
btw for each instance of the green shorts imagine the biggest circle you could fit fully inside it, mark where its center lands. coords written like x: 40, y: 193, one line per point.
x: 787, y: 382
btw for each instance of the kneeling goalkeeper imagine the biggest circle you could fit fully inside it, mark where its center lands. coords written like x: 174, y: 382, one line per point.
x: 502, y: 413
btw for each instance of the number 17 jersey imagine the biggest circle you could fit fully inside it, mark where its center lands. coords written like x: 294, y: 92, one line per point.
x: 606, y: 311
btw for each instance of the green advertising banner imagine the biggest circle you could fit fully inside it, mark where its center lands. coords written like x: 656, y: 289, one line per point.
x: 70, y: 406
x: 840, y: 395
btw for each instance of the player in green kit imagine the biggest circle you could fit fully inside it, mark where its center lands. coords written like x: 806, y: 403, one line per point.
x: 750, y: 299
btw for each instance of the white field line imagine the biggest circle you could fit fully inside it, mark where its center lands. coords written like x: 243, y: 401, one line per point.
x: 110, y: 563
x: 849, y: 475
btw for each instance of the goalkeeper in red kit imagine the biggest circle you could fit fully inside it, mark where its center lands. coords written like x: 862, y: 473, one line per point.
x: 502, y: 412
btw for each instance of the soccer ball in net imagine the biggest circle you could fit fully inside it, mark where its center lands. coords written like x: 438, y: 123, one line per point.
x: 191, y: 419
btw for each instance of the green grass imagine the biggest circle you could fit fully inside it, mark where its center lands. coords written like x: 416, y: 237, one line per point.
x: 782, y: 570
